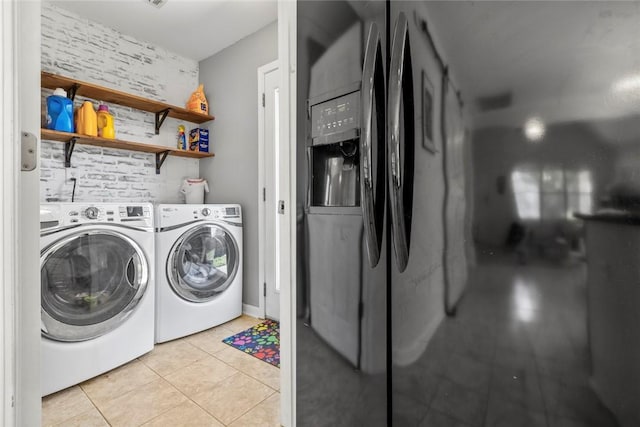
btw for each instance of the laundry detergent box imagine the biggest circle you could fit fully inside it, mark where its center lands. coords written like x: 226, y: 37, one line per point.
x: 199, y: 140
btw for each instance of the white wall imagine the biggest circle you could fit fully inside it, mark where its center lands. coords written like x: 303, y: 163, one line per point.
x: 76, y: 47
x: 231, y: 85
x: 627, y: 159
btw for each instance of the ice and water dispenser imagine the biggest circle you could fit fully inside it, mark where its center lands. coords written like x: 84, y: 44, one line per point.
x: 333, y: 152
x: 334, y: 221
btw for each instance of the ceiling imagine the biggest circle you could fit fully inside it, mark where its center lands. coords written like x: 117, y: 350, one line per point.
x: 560, y: 61
x: 195, y: 29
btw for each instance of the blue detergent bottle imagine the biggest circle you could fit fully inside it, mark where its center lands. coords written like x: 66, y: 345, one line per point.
x: 60, y: 111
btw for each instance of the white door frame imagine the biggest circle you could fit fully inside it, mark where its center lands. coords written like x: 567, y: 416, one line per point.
x: 9, y: 128
x: 19, y: 250
x: 262, y: 71
x: 287, y: 46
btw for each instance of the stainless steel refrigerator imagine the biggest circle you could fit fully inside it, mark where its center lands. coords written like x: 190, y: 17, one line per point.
x: 402, y: 211
x: 372, y: 189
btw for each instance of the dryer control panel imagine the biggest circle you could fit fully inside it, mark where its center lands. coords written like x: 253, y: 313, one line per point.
x: 177, y: 215
x: 217, y: 212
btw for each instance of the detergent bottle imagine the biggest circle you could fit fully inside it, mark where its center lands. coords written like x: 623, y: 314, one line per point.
x: 198, y: 102
x: 106, y: 128
x: 182, y: 138
x: 60, y: 111
x: 87, y: 120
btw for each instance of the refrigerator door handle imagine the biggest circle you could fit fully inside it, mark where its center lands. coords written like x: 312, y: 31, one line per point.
x: 309, y: 168
x: 401, y: 174
x: 372, y: 95
x: 395, y: 92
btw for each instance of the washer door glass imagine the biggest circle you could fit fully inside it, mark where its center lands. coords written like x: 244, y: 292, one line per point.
x: 203, y: 262
x: 90, y: 283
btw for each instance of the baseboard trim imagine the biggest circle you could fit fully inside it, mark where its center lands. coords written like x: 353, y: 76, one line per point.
x: 252, y: 310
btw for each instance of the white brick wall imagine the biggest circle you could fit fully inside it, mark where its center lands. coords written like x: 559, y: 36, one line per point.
x: 76, y: 47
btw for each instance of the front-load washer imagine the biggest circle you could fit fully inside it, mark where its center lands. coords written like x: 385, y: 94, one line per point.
x: 97, y: 283
x: 199, y: 268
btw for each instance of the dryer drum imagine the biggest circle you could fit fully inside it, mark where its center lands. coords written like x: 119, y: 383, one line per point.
x: 203, y: 263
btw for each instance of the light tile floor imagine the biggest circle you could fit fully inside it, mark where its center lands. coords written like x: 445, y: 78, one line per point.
x: 195, y: 381
x: 515, y: 355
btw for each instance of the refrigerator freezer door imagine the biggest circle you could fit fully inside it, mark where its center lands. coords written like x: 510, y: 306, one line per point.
x: 341, y: 334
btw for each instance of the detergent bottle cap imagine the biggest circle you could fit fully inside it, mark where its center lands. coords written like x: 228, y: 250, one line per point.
x: 103, y: 107
x: 60, y: 92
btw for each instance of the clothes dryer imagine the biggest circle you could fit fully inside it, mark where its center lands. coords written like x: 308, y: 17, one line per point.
x: 199, y: 268
x: 97, y: 289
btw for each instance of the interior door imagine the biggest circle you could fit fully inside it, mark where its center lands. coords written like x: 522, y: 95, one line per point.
x: 271, y: 227
x: 454, y: 212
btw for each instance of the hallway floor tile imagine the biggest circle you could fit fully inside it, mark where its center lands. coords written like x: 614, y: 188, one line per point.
x: 514, y: 355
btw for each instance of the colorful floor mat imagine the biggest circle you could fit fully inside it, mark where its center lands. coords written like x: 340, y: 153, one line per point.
x: 261, y: 341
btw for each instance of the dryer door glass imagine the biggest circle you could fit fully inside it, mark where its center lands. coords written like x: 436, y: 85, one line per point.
x: 90, y: 283
x: 203, y: 262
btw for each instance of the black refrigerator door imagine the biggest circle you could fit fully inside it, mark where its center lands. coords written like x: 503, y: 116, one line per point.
x: 341, y: 377
x: 415, y: 221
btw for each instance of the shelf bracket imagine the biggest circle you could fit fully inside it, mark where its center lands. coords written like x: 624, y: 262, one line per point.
x: 160, y: 158
x: 72, y: 91
x: 68, y: 151
x: 160, y: 116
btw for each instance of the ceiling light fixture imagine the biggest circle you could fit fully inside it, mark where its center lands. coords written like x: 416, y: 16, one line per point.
x: 157, y: 3
x: 628, y: 84
x: 534, y: 129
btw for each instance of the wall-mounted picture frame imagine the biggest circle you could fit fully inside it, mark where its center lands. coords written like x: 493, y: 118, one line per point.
x: 428, y: 141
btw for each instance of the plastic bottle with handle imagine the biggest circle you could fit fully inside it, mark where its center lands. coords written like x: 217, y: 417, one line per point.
x: 106, y: 127
x: 60, y: 111
x: 198, y: 102
x: 87, y: 120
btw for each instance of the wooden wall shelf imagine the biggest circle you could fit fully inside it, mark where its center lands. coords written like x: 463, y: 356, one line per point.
x: 100, y: 93
x: 161, y: 152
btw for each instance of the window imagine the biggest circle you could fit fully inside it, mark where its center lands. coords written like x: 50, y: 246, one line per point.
x: 526, y: 188
x: 551, y: 193
x: 579, y: 193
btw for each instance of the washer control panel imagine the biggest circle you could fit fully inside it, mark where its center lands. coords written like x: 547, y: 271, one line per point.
x: 91, y: 213
x: 135, y: 215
